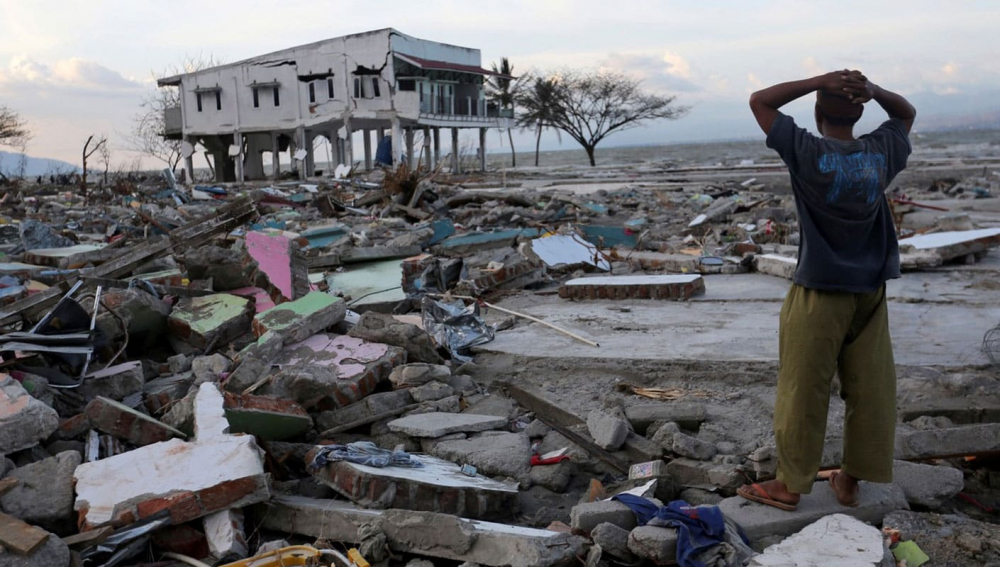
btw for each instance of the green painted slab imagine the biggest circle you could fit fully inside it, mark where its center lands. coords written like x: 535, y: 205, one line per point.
x: 208, y: 313
x: 283, y: 316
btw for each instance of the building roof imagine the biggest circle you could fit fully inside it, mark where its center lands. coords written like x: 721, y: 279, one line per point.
x: 431, y: 65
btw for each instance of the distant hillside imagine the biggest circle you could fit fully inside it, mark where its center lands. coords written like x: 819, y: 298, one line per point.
x: 10, y: 165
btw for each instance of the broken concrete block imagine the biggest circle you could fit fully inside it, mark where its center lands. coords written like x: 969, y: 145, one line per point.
x: 688, y: 446
x: 24, y: 421
x: 331, y: 370
x: 178, y: 363
x: 659, y: 545
x: 115, y: 382
x: 776, y: 265
x: 758, y: 521
x: 834, y: 540
x: 123, y: 422
x: 208, y: 414
x: 208, y: 368
x: 190, y: 480
x: 688, y: 472
x: 426, y: 533
x: 685, y: 414
x: 438, y: 486
x: 281, y: 266
x: 664, y: 436
x: 493, y: 453
x: 608, y: 430
x: 431, y: 391
x: 554, y: 477
x: 927, y: 485
x: 659, y: 261
x: 588, y: 515
x: 51, y: 552
x: 675, y: 287
x: 950, y: 442
x: 270, y: 419
x: 298, y: 320
x: 223, y: 266
x: 144, y: 316
x: 418, y: 374
x: 955, y: 244
x: 496, y: 405
x: 224, y: 532
x: 44, y: 495
x: 197, y: 323
x: 613, y: 541
x: 440, y: 424
x: 537, y: 429
x: 380, y: 328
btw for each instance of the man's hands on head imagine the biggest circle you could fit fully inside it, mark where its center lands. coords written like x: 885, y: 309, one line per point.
x: 850, y: 84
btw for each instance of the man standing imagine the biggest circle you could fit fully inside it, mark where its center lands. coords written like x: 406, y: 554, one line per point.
x: 834, y: 319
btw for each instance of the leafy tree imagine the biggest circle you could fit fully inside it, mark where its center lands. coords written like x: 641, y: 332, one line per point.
x: 537, y: 107
x: 503, y: 91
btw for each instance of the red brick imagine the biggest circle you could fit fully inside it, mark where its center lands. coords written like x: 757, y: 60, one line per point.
x: 222, y: 496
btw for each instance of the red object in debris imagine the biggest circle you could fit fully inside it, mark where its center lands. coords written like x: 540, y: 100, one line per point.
x: 974, y: 502
x: 536, y: 460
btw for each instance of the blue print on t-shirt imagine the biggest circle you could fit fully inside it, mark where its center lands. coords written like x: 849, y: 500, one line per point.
x: 857, y: 177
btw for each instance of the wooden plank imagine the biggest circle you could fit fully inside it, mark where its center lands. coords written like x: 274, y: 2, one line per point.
x: 87, y: 539
x: 20, y: 537
x: 160, y: 289
x: 33, y: 303
x: 560, y: 419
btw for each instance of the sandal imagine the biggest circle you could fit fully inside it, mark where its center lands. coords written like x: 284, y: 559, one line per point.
x: 762, y: 497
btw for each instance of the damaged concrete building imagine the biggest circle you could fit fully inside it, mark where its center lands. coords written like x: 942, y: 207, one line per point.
x: 376, y: 82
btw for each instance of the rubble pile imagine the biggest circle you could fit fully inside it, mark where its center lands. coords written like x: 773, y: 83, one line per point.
x: 223, y: 373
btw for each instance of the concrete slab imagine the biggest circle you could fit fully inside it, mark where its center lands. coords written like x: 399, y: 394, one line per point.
x: 123, y: 422
x: 759, y: 521
x: 425, y: 533
x: 833, y: 540
x: 197, y: 322
x: 115, y: 382
x: 564, y: 250
x: 24, y: 421
x: 437, y: 424
x: 300, y: 319
x: 955, y: 244
x: 438, y: 486
x: 371, y: 283
x: 52, y: 256
x: 273, y: 254
x: 262, y: 301
x: 776, y: 265
x: 633, y: 287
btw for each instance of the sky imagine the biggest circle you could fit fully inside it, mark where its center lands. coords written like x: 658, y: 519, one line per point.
x: 78, y: 68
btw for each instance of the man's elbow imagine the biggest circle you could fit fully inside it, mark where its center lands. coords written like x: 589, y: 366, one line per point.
x: 755, y: 99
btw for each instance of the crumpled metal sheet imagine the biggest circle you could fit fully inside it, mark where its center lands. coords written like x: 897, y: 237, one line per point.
x: 455, y: 326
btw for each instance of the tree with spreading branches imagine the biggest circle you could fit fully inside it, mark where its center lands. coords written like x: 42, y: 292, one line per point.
x: 13, y: 129
x: 590, y: 106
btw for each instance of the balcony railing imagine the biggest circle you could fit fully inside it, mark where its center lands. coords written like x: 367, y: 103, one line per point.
x: 462, y: 109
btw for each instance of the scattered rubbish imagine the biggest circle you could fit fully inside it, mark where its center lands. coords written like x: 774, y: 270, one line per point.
x: 455, y: 326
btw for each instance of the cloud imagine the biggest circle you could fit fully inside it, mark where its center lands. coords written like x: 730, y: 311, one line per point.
x: 667, y: 70
x: 754, y: 83
x: 74, y: 73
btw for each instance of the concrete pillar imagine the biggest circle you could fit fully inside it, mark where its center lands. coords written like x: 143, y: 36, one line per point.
x: 310, y: 158
x: 381, y: 134
x: 437, y: 146
x: 455, y: 166
x: 409, y: 149
x: 348, y: 143
x: 253, y: 156
x: 397, y: 141
x: 428, y: 158
x: 238, y: 142
x: 482, y: 149
x: 275, y: 156
x: 368, y: 148
x: 189, y: 162
x: 300, y: 142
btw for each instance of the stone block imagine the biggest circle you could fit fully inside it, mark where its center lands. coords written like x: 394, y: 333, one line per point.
x: 44, y: 494
x: 223, y: 266
x: 659, y: 261
x: 691, y: 473
x: 656, y: 544
x: 613, y: 541
x: 440, y: 424
x: 949, y: 442
x: 370, y: 406
x: 145, y: 317
x: 608, y: 430
x: 418, y: 374
x: 553, y: 477
x: 431, y: 391
x: 759, y: 521
x: 123, y: 422
x: 776, y: 265
x: 927, y: 485
x: 24, y: 421
x: 495, y: 405
x: 954, y: 244
x: 688, y: 446
x: 213, y: 320
x: 588, y: 515
x: 438, y: 486
x: 381, y: 328
x: 298, y: 320
x: 675, y: 287
x: 190, y: 480
x: 493, y: 453
x: 833, y: 540
x: 208, y: 368
x: 115, y: 382
x: 685, y: 414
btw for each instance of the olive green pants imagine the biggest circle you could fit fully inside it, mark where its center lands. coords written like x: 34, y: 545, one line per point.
x: 822, y: 333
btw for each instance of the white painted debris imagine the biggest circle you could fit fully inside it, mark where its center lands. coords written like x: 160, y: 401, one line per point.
x: 210, y: 416
x: 568, y: 250
x: 776, y: 265
x: 834, y: 540
x: 698, y: 220
x: 234, y: 150
x: 341, y: 172
x: 224, y: 532
x: 300, y: 154
x: 438, y: 472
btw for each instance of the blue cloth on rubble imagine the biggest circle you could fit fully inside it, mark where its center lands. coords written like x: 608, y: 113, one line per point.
x: 362, y: 453
x: 644, y: 510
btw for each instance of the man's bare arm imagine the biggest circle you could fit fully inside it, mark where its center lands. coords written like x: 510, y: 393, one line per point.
x: 894, y: 105
x: 766, y: 102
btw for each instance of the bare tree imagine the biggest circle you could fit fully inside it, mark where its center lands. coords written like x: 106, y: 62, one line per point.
x: 88, y: 151
x: 149, y: 126
x: 590, y: 106
x: 105, y: 155
x: 13, y: 128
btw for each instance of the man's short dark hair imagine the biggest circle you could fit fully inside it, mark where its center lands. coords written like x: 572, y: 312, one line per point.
x: 837, y: 109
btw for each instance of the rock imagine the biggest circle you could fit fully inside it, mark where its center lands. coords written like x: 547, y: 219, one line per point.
x: 688, y: 446
x: 833, y: 540
x: 145, y: 318
x: 659, y: 545
x: 588, y: 515
x: 418, y: 374
x: 927, y: 485
x: 463, y: 384
x: 949, y: 539
x: 53, y: 552
x: 380, y: 328
x: 431, y: 391
x: 115, y: 382
x: 496, y: 405
x: 664, y: 435
x: 554, y: 477
x: 222, y: 265
x: 613, y: 541
x: 608, y: 430
x: 688, y: 415
x: 44, y: 496
x: 178, y: 363
x: 493, y: 453
x: 24, y: 421
x: 537, y: 429
x: 208, y: 368
x: 439, y: 424
x: 700, y: 497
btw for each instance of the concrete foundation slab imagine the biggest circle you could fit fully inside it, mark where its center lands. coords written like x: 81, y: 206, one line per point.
x: 437, y: 424
x: 634, y: 287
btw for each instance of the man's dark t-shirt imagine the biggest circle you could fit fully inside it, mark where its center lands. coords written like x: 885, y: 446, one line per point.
x: 848, y: 238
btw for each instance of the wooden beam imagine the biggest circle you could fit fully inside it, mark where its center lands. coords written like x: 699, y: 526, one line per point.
x: 20, y: 537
